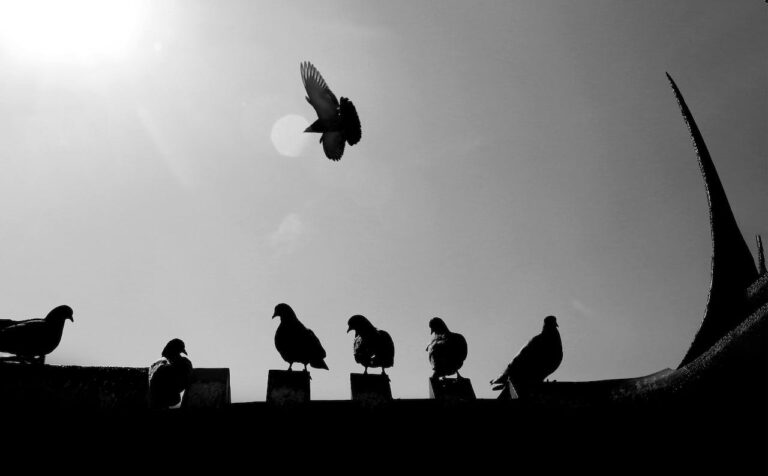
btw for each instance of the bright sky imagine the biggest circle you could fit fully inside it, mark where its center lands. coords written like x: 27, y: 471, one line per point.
x: 518, y: 159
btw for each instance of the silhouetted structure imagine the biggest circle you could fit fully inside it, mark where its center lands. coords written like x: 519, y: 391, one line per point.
x: 733, y: 268
x: 536, y: 361
x: 336, y: 122
x: 373, y: 347
x: 33, y: 339
x: 64, y: 387
x: 370, y: 390
x: 451, y: 390
x: 724, y: 371
x: 295, y: 342
x: 286, y: 387
x: 447, y: 351
x: 170, y: 376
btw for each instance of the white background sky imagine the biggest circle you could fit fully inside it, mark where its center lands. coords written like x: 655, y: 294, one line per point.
x: 518, y: 159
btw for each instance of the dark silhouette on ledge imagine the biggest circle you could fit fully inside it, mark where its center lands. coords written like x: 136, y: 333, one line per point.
x: 447, y: 350
x: 373, y: 347
x: 733, y: 269
x: 337, y: 122
x: 295, y: 342
x: 536, y: 361
x: 170, y: 376
x: 32, y: 339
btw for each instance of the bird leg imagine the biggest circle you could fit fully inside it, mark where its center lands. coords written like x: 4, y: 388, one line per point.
x: 290, y: 366
x: 305, y: 367
x: 383, y: 372
x: 458, y: 375
x: 365, y: 372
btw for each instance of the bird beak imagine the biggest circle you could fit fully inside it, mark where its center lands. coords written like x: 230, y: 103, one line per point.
x: 349, y: 330
x: 274, y: 316
x: 71, y: 318
x: 308, y: 129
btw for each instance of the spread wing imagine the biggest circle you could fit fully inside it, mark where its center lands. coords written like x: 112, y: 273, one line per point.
x: 333, y: 144
x: 319, y: 95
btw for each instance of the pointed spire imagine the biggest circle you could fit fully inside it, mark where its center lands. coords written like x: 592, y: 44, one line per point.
x: 760, y: 256
x: 733, y: 268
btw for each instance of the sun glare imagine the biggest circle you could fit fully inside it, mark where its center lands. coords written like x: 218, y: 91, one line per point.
x: 71, y: 30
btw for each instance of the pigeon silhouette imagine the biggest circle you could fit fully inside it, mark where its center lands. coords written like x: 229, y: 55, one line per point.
x: 170, y: 376
x: 536, y: 361
x: 295, y: 342
x: 33, y: 339
x: 337, y: 122
x: 373, y: 347
x: 447, y: 350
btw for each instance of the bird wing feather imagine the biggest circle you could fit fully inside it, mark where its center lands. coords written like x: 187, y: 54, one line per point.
x: 319, y: 95
x: 333, y: 144
x: 314, y: 346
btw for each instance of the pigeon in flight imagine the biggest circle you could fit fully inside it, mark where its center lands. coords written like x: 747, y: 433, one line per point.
x: 170, y: 376
x: 338, y: 122
x: 373, y: 347
x: 538, y: 359
x: 447, y: 350
x: 295, y: 342
x: 33, y: 339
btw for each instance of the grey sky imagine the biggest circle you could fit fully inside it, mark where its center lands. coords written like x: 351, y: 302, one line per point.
x: 518, y: 159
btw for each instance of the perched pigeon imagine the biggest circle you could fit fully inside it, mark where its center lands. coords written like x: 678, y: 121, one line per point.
x: 539, y: 358
x: 170, y: 376
x: 296, y: 343
x: 373, y: 347
x: 338, y: 122
x: 447, y: 351
x: 33, y: 339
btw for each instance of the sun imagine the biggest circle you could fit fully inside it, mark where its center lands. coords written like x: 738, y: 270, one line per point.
x: 71, y: 30
x: 288, y: 135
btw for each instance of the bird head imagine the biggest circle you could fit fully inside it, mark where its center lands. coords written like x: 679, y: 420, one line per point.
x: 173, y: 349
x: 284, y: 311
x: 60, y: 313
x: 550, y: 322
x: 359, y: 324
x: 437, y: 326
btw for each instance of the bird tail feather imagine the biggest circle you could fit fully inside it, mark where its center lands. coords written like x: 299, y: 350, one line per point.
x: 319, y: 364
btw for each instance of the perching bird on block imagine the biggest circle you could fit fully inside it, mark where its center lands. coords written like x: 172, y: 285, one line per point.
x: 536, y: 360
x: 295, y: 342
x: 337, y: 122
x: 170, y: 376
x: 447, y: 350
x: 373, y: 347
x: 32, y: 339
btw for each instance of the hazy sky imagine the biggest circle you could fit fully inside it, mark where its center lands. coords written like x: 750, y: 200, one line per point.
x: 518, y: 159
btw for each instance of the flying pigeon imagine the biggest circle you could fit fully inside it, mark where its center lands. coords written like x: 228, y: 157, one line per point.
x: 33, y: 339
x: 540, y: 357
x: 296, y: 343
x: 170, y: 376
x: 338, y: 122
x: 373, y: 347
x: 447, y: 351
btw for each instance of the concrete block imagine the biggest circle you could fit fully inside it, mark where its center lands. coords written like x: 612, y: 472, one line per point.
x: 370, y: 389
x: 451, y: 389
x: 70, y: 387
x: 105, y: 388
x: 287, y: 387
x: 209, y: 389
